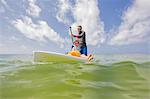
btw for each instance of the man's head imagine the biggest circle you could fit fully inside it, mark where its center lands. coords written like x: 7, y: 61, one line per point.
x: 79, y: 28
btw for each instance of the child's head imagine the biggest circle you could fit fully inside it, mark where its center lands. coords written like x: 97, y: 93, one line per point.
x: 76, y: 43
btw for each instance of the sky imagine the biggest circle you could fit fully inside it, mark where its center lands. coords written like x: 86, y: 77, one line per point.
x: 111, y: 26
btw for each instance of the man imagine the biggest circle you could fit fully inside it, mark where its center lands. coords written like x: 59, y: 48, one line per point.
x: 81, y: 37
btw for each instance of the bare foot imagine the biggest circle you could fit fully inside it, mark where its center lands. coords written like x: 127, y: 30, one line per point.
x: 90, y: 57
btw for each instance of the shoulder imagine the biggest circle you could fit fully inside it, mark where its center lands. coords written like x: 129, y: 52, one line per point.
x: 83, y: 32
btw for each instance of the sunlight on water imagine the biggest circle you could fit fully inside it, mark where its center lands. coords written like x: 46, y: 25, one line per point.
x: 114, y: 77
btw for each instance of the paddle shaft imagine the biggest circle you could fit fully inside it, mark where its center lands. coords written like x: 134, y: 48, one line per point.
x: 71, y: 34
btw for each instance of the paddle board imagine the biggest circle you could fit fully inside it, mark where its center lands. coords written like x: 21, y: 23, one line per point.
x: 42, y: 56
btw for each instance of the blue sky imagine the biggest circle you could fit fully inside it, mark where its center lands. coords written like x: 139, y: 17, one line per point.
x: 112, y: 26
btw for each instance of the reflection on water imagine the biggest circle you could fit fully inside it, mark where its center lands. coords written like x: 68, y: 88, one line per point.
x: 117, y: 80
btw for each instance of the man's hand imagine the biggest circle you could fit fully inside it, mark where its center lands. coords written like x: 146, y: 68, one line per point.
x: 72, y: 35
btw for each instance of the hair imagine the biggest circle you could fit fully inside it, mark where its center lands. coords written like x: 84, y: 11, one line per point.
x: 76, y: 43
x: 80, y: 26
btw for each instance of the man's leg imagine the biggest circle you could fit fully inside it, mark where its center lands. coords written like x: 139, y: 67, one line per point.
x: 72, y: 47
x: 84, y: 50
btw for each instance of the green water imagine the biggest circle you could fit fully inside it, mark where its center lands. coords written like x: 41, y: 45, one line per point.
x: 117, y: 80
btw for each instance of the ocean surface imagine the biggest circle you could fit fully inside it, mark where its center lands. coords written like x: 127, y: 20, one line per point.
x: 125, y: 76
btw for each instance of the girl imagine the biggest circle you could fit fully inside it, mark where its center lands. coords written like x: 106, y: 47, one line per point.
x: 76, y: 51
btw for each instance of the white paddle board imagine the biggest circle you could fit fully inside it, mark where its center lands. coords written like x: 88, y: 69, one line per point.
x: 42, y: 56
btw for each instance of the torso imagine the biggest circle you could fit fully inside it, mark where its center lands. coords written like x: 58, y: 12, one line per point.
x: 82, y: 39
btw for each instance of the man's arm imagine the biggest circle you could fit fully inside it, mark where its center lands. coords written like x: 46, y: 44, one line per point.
x: 78, y: 36
x: 74, y: 35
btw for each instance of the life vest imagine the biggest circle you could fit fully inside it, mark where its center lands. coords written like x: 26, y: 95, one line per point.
x: 74, y: 53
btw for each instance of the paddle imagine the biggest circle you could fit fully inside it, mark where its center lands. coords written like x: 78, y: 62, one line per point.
x: 71, y: 33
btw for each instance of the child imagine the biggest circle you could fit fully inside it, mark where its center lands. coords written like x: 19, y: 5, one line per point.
x: 76, y: 51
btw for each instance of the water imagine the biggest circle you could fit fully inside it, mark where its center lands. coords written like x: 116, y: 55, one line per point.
x: 113, y: 77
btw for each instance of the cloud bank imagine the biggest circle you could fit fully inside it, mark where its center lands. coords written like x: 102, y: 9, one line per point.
x: 64, y: 8
x: 3, y: 5
x: 40, y: 31
x: 33, y: 9
x: 135, y: 27
x: 3, y: 2
x: 87, y: 14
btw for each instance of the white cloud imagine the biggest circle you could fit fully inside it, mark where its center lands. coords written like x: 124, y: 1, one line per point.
x: 3, y: 5
x: 3, y: 2
x: 13, y: 38
x: 2, y: 10
x: 40, y: 31
x: 64, y: 7
x: 33, y: 9
x: 1, y: 44
x: 8, y: 48
x: 85, y: 13
x: 23, y: 47
x: 135, y: 27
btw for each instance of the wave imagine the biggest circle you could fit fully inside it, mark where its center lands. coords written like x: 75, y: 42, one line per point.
x: 126, y: 79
